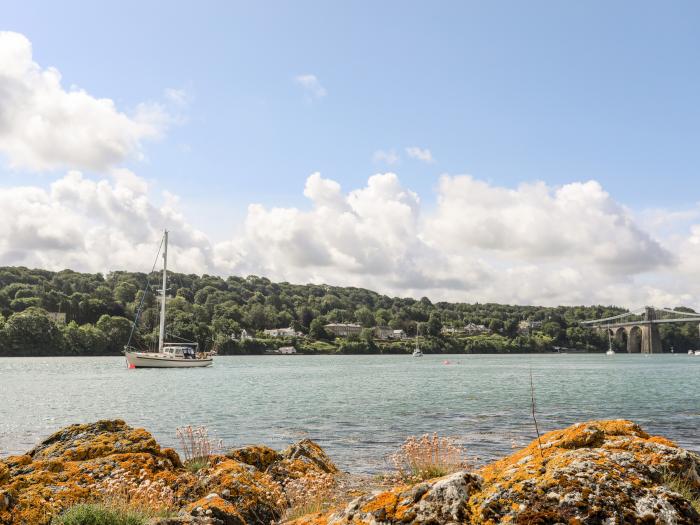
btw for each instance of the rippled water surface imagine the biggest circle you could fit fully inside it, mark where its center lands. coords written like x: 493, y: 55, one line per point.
x: 359, y: 408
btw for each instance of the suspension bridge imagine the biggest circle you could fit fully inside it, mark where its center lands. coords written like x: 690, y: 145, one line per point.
x: 641, y: 327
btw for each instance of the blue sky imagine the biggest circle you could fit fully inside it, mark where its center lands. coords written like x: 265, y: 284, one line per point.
x: 507, y: 92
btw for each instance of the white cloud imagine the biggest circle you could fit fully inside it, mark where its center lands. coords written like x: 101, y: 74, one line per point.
x: 389, y: 157
x: 533, y: 244
x: 311, y: 86
x: 93, y: 226
x: 422, y: 154
x: 536, y: 222
x: 44, y: 126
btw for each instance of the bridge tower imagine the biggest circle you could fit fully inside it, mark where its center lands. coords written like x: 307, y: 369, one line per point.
x: 651, y: 340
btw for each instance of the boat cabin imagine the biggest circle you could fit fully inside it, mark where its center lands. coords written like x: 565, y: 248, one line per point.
x: 180, y: 351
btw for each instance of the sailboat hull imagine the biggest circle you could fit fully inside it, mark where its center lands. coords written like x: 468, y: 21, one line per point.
x: 153, y: 360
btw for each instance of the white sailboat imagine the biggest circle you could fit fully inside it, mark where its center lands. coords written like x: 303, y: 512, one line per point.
x: 169, y: 355
x: 610, y: 348
x: 417, y: 351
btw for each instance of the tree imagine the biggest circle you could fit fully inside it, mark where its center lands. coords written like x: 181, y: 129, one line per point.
x: 317, y: 330
x: 434, y: 325
x: 365, y: 317
x: 116, y: 331
x: 31, y: 332
x: 125, y: 292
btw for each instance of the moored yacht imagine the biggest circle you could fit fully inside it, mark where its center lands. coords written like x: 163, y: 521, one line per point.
x: 169, y: 355
x: 610, y: 348
x: 417, y: 351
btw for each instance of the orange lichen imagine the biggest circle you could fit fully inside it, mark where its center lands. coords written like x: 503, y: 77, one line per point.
x: 260, y: 457
x: 587, y: 473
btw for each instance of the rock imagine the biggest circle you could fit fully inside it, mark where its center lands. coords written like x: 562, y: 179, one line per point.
x: 220, y: 509
x: 186, y: 520
x: 442, y: 501
x: 260, y: 457
x: 309, y: 452
x: 599, y: 472
x: 253, y: 494
x: 64, y: 469
x: 301, y: 459
x: 68, y: 467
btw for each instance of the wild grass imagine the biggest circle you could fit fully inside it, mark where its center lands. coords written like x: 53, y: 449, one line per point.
x: 99, y: 514
x: 307, y: 495
x: 428, y: 456
x: 684, y: 487
x: 197, y: 447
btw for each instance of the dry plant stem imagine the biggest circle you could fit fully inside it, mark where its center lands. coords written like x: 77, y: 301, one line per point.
x: 195, y: 443
x: 532, y: 398
x: 428, y: 456
x: 309, y: 494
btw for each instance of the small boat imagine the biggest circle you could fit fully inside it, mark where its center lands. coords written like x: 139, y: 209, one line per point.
x: 697, y: 352
x: 690, y: 352
x: 417, y: 351
x: 169, y: 355
x: 610, y: 348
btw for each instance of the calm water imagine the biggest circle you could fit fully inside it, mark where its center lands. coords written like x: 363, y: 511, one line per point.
x: 359, y: 408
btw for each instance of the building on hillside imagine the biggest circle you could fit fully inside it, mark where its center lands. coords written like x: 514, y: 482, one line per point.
x: 451, y: 330
x: 343, y: 329
x: 398, y: 334
x: 476, y: 329
x: 282, y: 332
x: 245, y: 336
x: 383, y: 332
x: 287, y: 350
x: 526, y: 327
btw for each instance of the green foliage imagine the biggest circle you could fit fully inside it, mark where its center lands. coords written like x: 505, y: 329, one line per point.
x: 683, y: 486
x: 213, y: 312
x: 99, y: 514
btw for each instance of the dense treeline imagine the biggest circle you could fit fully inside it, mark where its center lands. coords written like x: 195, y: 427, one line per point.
x: 213, y: 311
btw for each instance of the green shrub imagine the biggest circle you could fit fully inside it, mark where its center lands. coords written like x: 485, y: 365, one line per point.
x: 99, y: 514
x: 684, y: 487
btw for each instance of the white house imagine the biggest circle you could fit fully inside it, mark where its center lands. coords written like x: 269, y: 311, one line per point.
x: 476, y: 329
x: 282, y: 332
x: 287, y: 350
x: 398, y: 334
x: 343, y: 329
x: 383, y: 332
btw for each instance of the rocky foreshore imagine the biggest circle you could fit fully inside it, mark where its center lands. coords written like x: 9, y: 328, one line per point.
x: 598, y: 472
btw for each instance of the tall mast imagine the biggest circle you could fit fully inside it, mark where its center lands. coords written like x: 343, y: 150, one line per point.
x: 161, y: 334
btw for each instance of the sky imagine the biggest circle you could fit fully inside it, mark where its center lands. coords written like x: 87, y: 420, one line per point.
x: 537, y: 152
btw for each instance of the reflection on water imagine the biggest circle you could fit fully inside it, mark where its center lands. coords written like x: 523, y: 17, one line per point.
x: 359, y: 408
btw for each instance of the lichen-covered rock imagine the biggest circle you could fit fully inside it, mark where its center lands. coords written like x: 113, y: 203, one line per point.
x: 254, y: 495
x: 309, y: 452
x: 225, y: 512
x: 70, y: 466
x: 600, y: 472
x: 258, y: 456
x: 299, y: 460
x: 186, y: 520
x: 64, y: 469
x: 442, y: 501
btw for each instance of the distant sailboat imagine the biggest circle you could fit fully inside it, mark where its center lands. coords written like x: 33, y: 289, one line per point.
x: 610, y: 348
x: 169, y: 355
x: 417, y: 351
